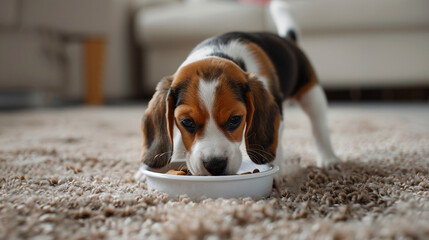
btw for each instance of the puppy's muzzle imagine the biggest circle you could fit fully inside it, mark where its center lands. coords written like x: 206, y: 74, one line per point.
x: 216, y: 165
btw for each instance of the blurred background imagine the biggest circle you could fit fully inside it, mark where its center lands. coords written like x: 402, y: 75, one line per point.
x: 95, y: 52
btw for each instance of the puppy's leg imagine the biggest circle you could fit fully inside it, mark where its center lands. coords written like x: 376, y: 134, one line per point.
x: 279, y: 161
x: 314, y: 104
x: 279, y: 152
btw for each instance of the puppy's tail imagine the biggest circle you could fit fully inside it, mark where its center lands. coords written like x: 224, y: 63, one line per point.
x: 286, y: 26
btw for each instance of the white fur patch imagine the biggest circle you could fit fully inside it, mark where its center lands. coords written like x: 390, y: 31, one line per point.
x: 282, y: 18
x: 206, y: 92
x: 236, y: 50
x: 197, y: 55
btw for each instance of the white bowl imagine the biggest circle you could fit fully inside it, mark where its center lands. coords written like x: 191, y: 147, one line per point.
x: 229, y: 186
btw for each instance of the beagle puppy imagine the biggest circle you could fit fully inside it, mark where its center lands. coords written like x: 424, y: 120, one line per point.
x: 225, y: 102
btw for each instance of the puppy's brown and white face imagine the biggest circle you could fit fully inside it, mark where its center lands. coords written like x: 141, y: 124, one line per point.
x: 210, y: 111
x: 213, y: 104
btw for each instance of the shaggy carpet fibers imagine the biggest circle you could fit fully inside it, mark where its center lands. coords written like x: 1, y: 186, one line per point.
x: 68, y: 174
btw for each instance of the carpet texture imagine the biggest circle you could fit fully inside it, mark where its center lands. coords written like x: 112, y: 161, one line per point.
x: 68, y: 174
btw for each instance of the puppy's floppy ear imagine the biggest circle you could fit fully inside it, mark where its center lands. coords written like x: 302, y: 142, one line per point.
x: 263, y: 120
x: 157, y: 126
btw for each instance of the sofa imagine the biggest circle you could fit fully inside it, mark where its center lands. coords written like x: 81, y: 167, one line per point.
x: 352, y: 44
x: 74, y: 50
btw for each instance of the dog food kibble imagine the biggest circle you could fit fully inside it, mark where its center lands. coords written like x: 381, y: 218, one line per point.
x: 254, y: 171
x: 186, y: 170
x: 174, y: 172
x: 182, y: 171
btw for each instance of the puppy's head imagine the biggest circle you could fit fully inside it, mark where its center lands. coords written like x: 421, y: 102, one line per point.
x: 214, y: 104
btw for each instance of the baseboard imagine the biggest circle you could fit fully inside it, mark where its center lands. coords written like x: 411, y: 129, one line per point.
x: 412, y: 94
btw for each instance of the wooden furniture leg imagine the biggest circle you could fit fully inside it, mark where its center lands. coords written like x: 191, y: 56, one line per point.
x: 94, y: 67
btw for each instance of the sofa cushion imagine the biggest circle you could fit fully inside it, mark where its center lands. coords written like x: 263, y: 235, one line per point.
x: 393, y: 58
x: 181, y: 23
x: 339, y: 15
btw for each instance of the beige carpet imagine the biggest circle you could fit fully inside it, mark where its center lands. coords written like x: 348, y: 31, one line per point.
x: 68, y: 174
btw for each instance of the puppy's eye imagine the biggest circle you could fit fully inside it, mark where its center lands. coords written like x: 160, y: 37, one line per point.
x: 189, y: 125
x: 233, y: 123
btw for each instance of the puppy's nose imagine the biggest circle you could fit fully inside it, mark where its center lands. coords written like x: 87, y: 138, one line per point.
x: 215, y: 165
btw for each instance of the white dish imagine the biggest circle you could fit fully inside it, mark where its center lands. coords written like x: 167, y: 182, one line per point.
x: 229, y: 186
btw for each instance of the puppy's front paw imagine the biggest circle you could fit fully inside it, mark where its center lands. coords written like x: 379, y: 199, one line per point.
x: 285, y: 170
x: 277, y: 181
x: 326, y: 161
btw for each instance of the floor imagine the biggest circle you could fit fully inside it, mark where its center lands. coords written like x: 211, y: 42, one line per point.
x: 68, y: 173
